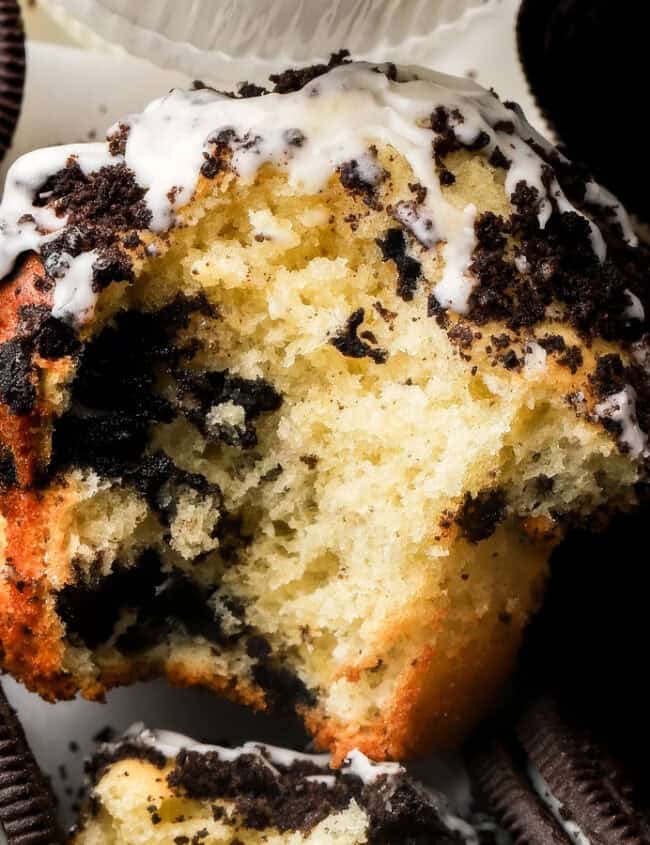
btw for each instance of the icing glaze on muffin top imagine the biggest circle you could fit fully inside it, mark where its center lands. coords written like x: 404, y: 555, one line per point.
x: 333, y: 122
x: 170, y: 743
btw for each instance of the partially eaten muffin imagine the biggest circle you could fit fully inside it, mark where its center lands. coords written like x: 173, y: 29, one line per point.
x: 158, y: 786
x: 299, y: 390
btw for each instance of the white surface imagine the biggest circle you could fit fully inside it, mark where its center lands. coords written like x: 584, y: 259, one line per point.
x: 259, y: 37
x: 74, y: 95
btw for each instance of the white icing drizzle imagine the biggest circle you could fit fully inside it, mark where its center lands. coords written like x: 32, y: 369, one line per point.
x: 368, y: 170
x: 621, y: 407
x: 418, y: 221
x: 359, y: 765
x: 597, y: 195
x: 170, y: 743
x: 73, y: 296
x: 333, y: 120
x: 454, y: 289
x: 555, y: 806
x: 534, y: 357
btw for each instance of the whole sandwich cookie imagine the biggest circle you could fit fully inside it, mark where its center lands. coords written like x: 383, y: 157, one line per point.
x: 299, y: 388
x: 169, y: 788
x: 582, y: 60
x: 549, y: 780
x: 12, y: 70
x: 27, y: 815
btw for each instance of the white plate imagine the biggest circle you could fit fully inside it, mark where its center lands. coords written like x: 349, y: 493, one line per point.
x: 74, y: 95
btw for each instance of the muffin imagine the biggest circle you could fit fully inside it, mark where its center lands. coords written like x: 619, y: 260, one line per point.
x: 157, y: 786
x: 299, y: 390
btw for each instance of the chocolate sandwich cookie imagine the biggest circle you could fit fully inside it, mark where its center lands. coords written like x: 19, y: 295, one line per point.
x: 548, y: 779
x: 12, y: 70
x: 27, y: 814
x: 582, y: 59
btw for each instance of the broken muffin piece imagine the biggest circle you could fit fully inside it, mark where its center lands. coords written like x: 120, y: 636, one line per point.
x: 157, y: 786
x: 298, y: 393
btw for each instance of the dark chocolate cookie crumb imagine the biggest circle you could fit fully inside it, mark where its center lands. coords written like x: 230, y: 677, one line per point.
x: 609, y: 376
x: 552, y: 343
x: 50, y: 337
x: 572, y: 359
x: 480, y: 515
x: 199, y: 394
x: 293, y: 80
x: 393, y: 248
x: 435, y: 309
x: 17, y: 377
x: 126, y: 750
x: 109, y: 198
x: 160, y: 602
x: 354, y: 178
x: 461, y: 335
x: 399, y: 812
x: 117, y: 140
x: 397, y: 809
x: 283, y: 688
x: 8, y: 475
x: 351, y: 345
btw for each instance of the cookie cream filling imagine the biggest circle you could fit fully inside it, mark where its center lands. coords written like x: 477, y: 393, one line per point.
x: 575, y: 833
x: 334, y: 120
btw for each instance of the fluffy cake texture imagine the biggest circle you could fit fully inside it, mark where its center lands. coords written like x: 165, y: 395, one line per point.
x: 163, y: 787
x: 299, y: 390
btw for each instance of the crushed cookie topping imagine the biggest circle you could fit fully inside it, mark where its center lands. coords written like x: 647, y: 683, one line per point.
x: 149, y: 167
x: 566, y: 246
x: 273, y: 787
